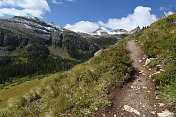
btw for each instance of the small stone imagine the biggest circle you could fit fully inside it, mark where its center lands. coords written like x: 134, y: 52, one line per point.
x: 153, y: 112
x: 140, y: 61
x: 166, y: 113
x: 96, y: 108
x: 148, y: 61
x: 115, y: 115
x: 157, y: 73
x: 104, y: 115
x: 161, y: 104
x: 150, y: 69
x: 139, y: 80
x: 141, y: 71
x: 143, y: 74
x: 162, y: 70
x: 150, y: 76
x: 131, y: 110
x: 157, y: 98
x: 144, y: 87
x: 148, y: 91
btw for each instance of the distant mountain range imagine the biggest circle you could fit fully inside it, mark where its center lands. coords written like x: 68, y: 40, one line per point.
x: 102, y: 31
x: 18, y: 34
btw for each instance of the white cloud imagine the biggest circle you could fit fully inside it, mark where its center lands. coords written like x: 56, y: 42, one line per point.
x: 83, y: 26
x: 71, y: 0
x: 34, y: 8
x: 56, y: 2
x: 141, y: 17
x: 61, y: 1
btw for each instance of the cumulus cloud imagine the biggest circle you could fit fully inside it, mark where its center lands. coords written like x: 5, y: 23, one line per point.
x: 83, y: 26
x: 141, y: 17
x: 35, y: 8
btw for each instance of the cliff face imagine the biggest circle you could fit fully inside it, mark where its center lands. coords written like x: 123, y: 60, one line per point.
x: 74, y: 43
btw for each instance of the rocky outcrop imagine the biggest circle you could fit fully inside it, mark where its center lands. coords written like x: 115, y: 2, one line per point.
x: 135, y: 31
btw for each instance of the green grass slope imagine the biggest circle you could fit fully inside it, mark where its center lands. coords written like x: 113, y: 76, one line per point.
x: 12, y: 92
x: 77, y: 92
x: 159, y: 41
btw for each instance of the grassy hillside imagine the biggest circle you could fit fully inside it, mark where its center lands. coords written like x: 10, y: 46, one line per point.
x: 159, y: 42
x: 12, y: 92
x: 77, y: 92
x: 84, y: 88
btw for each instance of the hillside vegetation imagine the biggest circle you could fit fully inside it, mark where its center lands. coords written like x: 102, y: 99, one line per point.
x: 159, y: 42
x: 16, y: 90
x: 78, y: 92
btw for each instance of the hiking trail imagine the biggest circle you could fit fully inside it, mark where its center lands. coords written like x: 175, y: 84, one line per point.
x: 136, y: 98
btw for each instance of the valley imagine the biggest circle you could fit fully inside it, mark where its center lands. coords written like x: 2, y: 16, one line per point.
x: 133, y: 75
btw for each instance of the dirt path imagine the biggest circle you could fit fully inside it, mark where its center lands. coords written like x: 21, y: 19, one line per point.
x: 137, y: 98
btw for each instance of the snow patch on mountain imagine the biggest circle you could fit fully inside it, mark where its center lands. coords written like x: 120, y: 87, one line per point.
x: 104, y: 31
x: 34, y: 24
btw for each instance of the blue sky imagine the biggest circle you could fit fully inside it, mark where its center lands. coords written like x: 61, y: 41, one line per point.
x: 101, y: 10
x: 87, y: 15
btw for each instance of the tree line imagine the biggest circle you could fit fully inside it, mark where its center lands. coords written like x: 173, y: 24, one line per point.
x: 14, y: 67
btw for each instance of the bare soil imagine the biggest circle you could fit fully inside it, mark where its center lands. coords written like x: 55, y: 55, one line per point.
x: 138, y: 94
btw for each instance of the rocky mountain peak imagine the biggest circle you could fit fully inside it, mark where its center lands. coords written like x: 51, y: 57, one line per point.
x: 33, y: 24
x: 136, y: 30
x: 100, y: 31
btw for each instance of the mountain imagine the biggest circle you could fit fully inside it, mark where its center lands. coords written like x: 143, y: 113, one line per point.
x: 119, y: 31
x: 22, y: 32
x: 135, y: 31
x: 99, y: 31
x: 30, y: 46
x: 33, y: 25
x: 103, y: 32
